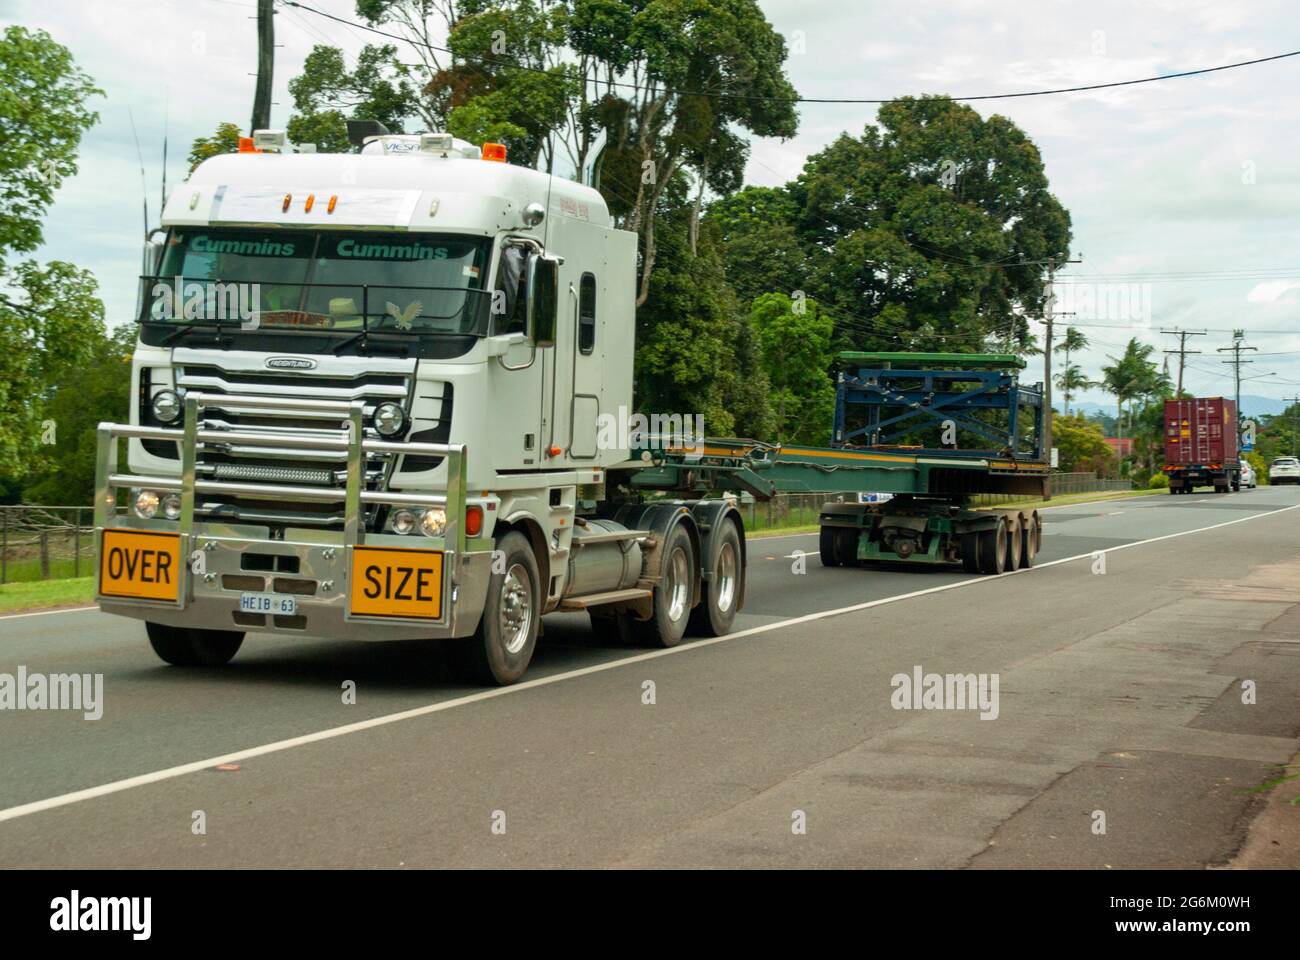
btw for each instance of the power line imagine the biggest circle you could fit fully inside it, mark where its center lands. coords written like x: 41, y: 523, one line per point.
x: 859, y: 100
x: 1182, y: 350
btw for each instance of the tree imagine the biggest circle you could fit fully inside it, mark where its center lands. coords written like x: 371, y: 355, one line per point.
x: 931, y: 230
x: 326, y: 94
x: 1071, y: 380
x: 224, y: 140
x: 97, y: 389
x: 796, y: 338
x: 1073, y: 341
x: 1080, y: 443
x: 1133, y: 376
x: 43, y: 114
x: 761, y: 251
x: 48, y: 332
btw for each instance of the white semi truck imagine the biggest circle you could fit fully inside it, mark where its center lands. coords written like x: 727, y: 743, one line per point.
x: 371, y: 400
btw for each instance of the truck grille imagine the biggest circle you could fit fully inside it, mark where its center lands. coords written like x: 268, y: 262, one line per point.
x: 226, y: 375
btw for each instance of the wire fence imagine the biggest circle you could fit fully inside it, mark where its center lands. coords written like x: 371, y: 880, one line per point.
x: 46, y: 543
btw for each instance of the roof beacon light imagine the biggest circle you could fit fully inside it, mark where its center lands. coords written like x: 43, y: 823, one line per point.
x: 494, y: 151
x: 246, y: 145
x: 334, y: 200
x: 306, y: 207
x: 288, y: 199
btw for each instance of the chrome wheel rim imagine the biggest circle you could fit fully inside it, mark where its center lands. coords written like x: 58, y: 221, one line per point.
x: 726, y: 576
x: 516, y: 608
x: 678, y: 585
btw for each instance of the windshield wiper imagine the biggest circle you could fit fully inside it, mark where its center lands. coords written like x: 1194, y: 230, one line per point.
x: 368, y: 346
x: 223, y: 340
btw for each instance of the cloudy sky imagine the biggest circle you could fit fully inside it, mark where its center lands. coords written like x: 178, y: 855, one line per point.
x: 1184, y: 193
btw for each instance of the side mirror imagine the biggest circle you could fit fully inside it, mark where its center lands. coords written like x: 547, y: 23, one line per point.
x: 543, y: 299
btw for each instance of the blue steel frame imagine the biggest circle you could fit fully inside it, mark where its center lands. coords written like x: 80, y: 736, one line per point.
x: 957, y: 395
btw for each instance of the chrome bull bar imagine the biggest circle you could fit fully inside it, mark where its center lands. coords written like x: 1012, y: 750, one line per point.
x: 349, y: 439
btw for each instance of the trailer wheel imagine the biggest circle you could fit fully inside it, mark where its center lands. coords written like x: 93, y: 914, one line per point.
x: 993, y: 548
x: 846, y: 546
x: 672, y: 595
x: 969, y: 544
x: 1015, y: 542
x: 500, y: 650
x: 1031, y: 539
x: 183, y: 647
x: 826, y: 547
x: 721, y: 594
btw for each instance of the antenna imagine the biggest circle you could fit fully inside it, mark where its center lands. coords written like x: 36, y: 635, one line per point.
x: 144, y: 185
x: 162, y: 194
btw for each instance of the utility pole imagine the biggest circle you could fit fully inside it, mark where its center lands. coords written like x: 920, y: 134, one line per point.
x: 1182, y: 350
x: 265, y: 66
x: 1237, y: 347
x: 1050, y: 314
x: 1295, y: 402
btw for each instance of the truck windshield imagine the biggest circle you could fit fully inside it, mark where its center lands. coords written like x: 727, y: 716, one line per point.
x: 344, y: 281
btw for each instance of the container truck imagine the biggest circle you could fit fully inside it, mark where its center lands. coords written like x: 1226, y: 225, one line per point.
x: 1201, y: 447
x: 371, y: 399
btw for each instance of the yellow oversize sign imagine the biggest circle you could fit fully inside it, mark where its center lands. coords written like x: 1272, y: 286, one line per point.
x: 141, y: 564
x: 396, y: 582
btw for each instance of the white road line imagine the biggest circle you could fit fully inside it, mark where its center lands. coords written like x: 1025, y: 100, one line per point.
x: 46, y: 613
x: 170, y: 773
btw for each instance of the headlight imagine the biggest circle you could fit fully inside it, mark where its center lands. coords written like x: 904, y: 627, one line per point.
x: 389, y: 419
x: 402, y: 521
x: 146, y: 504
x: 166, y: 406
x: 171, y: 506
x: 433, y: 522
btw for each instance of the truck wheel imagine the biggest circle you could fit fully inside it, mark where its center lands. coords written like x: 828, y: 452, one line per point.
x: 826, y: 547
x: 993, y: 548
x: 500, y: 649
x: 969, y: 544
x: 1031, y: 537
x: 183, y: 647
x: 672, y: 595
x: 721, y: 594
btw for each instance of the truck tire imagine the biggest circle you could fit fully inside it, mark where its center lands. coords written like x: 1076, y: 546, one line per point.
x: 993, y: 548
x: 500, y: 650
x: 846, y: 546
x: 720, y: 595
x: 1015, y: 542
x: 672, y: 595
x: 826, y: 546
x: 184, y: 647
x: 1031, y: 539
x: 969, y: 545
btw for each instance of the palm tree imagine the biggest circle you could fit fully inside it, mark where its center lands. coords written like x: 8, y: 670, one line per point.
x: 1071, y: 380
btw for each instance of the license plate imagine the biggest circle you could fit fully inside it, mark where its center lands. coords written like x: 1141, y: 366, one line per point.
x: 140, y: 564
x: 396, y: 582
x: 282, y: 605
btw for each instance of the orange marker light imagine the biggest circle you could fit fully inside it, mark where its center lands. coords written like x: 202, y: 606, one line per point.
x: 246, y: 145
x: 306, y: 207
x: 494, y: 151
x: 554, y: 451
x: 288, y: 199
x: 333, y: 201
x: 473, y: 521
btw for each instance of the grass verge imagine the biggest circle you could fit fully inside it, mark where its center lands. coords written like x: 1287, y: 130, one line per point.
x: 42, y: 594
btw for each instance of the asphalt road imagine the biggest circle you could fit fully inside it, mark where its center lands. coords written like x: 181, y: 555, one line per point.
x: 1119, y: 695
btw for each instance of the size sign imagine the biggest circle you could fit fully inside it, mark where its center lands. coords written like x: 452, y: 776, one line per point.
x: 396, y: 582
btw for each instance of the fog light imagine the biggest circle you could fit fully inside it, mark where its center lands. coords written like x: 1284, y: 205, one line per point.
x: 389, y: 419
x: 403, y: 522
x: 146, y: 504
x: 434, y: 522
x: 171, y: 506
x: 166, y: 406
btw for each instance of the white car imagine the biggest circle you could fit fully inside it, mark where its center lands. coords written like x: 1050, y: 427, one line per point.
x: 1247, y: 474
x: 1284, y: 470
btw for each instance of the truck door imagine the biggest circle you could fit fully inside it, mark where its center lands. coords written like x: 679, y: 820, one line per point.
x: 519, y: 378
x: 587, y: 360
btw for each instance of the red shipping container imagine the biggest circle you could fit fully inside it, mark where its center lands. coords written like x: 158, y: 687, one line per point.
x: 1201, y: 431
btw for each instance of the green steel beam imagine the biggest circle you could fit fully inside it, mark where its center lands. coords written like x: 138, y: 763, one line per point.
x: 954, y: 362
